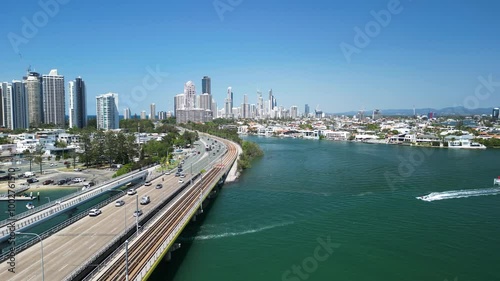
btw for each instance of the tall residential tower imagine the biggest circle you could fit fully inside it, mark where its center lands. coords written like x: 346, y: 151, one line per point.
x: 77, y: 104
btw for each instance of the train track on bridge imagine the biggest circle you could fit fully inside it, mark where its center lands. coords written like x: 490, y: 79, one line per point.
x: 147, y: 244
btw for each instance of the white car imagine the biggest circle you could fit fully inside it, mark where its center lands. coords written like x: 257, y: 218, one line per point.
x: 181, y: 181
x: 94, y: 212
x: 131, y: 192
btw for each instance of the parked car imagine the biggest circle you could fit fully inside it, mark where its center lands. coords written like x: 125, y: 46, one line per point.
x: 131, y: 192
x: 137, y: 213
x: 77, y: 170
x: 148, y: 183
x: 61, y: 182
x: 145, y: 200
x: 47, y: 182
x: 94, y: 212
x: 119, y: 203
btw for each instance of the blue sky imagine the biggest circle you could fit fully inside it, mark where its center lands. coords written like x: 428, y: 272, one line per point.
x: 429, y: 54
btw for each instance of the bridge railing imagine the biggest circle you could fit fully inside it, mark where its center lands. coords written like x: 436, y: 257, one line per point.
x: 65, y: 198
x: 171, y: 238
x: 49, y: 232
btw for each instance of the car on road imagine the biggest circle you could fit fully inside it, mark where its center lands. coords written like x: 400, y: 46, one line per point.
x: 78, y: 180
x: 77, y: 170
x: 119, y: 203
x: 181, y: 181
x: 167, y: 173
x: 131, y: 192
x: 158, y: 186
x: 177, y: 174
x: 53, y: 164
x: 32, y: 180
x: 137, y: 213
x: 145, y: 200
x: 182, y: 175
x: 94, y: 212
x: 46, y: 182
x: 148, y: 183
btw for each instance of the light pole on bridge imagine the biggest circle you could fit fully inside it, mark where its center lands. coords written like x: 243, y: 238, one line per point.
x: 41, y: 243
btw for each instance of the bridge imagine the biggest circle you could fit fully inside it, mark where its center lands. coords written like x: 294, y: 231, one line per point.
x: 117, y: 245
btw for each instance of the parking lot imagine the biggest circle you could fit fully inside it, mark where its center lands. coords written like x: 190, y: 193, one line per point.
x: 56, y: 175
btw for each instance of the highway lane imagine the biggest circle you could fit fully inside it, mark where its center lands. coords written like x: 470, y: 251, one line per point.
x: 72, y: 246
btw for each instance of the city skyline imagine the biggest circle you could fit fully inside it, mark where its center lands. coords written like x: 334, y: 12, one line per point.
x: 330, y: 59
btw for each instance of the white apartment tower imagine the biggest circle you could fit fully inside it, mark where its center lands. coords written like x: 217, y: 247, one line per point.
x: 54, y: 106
x: 107, y: 111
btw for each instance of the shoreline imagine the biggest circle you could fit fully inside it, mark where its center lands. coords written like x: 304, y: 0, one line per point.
x: 4, y: 189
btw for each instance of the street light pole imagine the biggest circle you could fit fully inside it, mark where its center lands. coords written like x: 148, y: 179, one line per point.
x: 137, y: 214
x: 41, y: 243
x: 126, y: 260
x: 48, y: 198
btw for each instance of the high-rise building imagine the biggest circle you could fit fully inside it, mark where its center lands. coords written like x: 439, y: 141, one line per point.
x: 206, y: 85
x: 229, y: 103
x: 35, y: 98
x: 54, y: 106
x: 143, y: 115
x: 179, y: 102
x: 495, y: 113
x: 245, y: 107
x: 152, y: 114
x: 190, y: 93
x: 206, y: 101
x: 306, y: 110
x: 77, y: 103
x: 126, y: 113
x: 107, y: 111
x: 15, y: 109
x: 2, y: 112
x: 162, y: 115
x: 294, y: 112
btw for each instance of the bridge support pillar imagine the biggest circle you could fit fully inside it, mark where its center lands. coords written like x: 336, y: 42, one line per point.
x: 194, y: 218
x: 168, y: 256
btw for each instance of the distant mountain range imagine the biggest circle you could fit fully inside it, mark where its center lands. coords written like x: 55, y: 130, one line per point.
x: 447, y: 111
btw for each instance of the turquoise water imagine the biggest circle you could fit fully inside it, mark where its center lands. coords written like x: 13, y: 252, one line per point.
x: 360, y: 200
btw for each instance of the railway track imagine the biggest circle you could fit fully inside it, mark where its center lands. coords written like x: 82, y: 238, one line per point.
x: 148, y: 243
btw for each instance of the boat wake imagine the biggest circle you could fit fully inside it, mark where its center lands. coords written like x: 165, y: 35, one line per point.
x: 454, y: 194
x: 231, y: 234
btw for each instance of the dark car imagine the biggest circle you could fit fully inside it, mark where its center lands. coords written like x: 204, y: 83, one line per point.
x: 61, y: 182
x: 47, y: 182
x: 32, y: 180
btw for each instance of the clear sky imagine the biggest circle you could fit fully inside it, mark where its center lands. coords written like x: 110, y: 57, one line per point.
x: 429, y: 54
